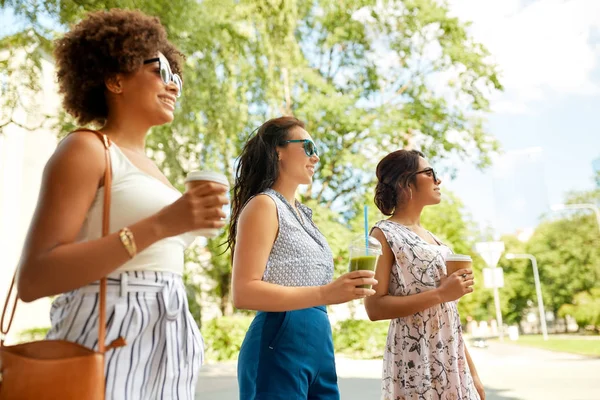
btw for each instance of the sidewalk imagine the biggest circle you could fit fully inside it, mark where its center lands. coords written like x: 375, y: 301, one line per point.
x: 508, y: 372
x: 358, y: 379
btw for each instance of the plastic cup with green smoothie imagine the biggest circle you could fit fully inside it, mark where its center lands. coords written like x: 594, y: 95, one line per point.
x: 364, y: 255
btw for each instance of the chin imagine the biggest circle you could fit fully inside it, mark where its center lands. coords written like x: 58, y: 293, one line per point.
x: 163, y: 118
x: 306, y: 180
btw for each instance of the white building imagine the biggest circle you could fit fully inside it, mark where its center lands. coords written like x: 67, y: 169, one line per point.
x: 23, y: 154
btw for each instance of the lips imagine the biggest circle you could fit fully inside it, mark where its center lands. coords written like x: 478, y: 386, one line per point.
x: 168, y: 100
x: 311, y: 169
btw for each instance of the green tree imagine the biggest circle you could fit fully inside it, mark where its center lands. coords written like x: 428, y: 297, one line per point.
x: 518, y: 291
x: 585, y: 309
x: 568, y: 257
x: 21, y: 56
x: 322, y: 61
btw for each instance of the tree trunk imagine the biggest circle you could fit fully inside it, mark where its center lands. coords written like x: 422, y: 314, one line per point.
x: 225, y: 304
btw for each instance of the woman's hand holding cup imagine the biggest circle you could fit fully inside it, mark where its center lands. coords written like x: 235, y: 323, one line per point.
x: 200, y: 209
x: 346, y: 287
x: 459, y: 278
x: 456, y: 285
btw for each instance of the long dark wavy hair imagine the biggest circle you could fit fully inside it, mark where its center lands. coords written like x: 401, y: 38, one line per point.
x: 395, y: 172
x: 258, y: 167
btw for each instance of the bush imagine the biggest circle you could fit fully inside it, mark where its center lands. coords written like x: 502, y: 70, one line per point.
x: 223, y: 337
x: 585, y: 309
x: 360, y: 338
x: 32, y: 334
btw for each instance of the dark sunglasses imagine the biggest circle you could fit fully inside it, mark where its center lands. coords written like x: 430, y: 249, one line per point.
x: 166, y: 75
x: 310, y: 148
x: 428, y: 172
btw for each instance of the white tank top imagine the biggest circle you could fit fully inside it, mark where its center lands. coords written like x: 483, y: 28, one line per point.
x: 135, y: 196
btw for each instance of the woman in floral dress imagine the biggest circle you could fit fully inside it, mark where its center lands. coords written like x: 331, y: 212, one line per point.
x: 425, y: 357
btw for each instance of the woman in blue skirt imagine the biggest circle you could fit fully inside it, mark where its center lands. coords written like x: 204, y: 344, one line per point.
x: 283, y: 267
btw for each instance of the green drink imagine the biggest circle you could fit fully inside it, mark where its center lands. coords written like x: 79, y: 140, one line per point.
x: 364, y: 255
x: 365, y: 263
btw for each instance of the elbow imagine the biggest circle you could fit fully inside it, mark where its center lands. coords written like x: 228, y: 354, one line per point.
x: 372, y: 310
x: 26, y: 288
x: 238, y: 299
x: 373, y: 316
x: 237, y: 303
x: 26, y: 291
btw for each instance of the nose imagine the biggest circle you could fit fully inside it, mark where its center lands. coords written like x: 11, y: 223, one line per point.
x: 172, y: 87
x: 315, y: 158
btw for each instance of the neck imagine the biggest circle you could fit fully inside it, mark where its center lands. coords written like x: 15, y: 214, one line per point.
x: 409, y: 214
x: 126, y: 132
x: 288, y: 190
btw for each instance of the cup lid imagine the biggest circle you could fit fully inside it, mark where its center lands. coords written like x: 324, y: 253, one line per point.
x: 373, y: 245
x: 207, y: 176
x: 458, y: 257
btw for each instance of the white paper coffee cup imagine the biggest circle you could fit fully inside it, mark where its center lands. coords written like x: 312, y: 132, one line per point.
x: 454, y: 262
x: 195, y: 178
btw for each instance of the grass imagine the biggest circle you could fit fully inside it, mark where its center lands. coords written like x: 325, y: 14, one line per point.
x: 584, y: 345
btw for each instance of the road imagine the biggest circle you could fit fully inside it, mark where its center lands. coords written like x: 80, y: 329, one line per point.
x: 509, y: 372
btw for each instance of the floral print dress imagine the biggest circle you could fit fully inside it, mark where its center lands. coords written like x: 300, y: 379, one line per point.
x: 424, y: 357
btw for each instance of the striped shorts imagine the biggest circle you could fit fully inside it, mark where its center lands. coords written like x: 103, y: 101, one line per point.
x: 149, y: 309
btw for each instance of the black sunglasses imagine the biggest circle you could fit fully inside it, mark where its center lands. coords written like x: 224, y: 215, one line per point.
x: 310, y: 148
x: 166, y: 75
x: 428, y: 172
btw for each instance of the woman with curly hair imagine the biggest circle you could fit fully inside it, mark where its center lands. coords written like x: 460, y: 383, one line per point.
x: 283, y: 267
x: 425, y: 356
x: 117, y: 70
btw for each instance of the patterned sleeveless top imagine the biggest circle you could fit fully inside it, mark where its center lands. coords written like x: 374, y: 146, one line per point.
x: 300, y: 255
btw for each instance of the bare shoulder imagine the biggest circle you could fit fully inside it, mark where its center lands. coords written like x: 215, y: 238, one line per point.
x: 377, y: 233
x: 260, y: 215
x: 80, y: 153
x: 261, y: 206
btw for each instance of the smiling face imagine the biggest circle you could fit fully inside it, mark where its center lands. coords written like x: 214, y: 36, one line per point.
x: 426, y: 189
x: 294, y: 164
x: 145, y: 95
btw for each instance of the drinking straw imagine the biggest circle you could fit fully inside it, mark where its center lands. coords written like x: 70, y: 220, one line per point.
x: 366, y: 229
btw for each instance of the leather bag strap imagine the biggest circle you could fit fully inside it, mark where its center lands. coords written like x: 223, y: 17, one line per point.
x: 105, y: 230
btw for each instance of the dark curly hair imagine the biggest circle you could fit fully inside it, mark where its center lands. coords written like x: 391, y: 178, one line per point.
x: 395, y: 172
x: 99, y: 47
x: 258, y: 166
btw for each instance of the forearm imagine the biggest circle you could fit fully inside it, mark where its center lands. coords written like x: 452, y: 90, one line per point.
x: 71, y: 266
x: 264, y: 296
x: 470, y: 363
x: 390, y: 307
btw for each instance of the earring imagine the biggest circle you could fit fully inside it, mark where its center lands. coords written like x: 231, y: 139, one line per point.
x: 410, y: 193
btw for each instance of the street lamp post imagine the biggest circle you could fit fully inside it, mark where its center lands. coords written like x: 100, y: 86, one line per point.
x: 538, y: 289
x: 593, y: 207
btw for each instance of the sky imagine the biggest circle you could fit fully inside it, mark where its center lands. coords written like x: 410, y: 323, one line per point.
x: 548, y: 52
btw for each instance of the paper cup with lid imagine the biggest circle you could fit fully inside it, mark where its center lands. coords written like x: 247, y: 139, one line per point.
x: 454, y: 262
x: 195, y: 178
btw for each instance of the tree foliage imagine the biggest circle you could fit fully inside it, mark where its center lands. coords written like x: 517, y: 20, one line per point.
x: 568, y: 256
x: 368, y: 76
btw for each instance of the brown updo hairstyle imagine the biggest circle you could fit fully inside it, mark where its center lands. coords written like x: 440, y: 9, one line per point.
x: 395, y: 172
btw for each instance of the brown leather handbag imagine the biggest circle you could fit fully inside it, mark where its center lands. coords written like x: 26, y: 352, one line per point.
x: 58, y: 369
